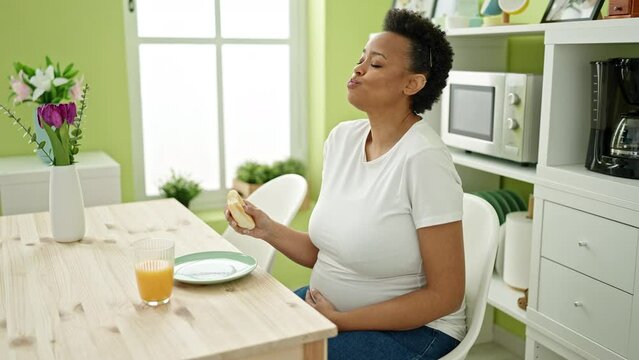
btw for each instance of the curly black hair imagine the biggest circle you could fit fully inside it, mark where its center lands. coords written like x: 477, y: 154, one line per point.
x: 426, y: 40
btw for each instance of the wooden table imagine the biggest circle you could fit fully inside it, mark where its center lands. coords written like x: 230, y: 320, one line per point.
x: 80, y: 300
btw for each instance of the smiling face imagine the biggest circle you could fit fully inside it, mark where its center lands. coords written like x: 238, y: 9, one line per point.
x: 382, y: 78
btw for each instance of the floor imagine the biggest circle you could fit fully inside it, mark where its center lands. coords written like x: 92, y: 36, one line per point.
x: 490, y: 351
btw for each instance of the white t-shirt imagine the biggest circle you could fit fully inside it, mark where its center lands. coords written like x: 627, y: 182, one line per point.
x: 366, y: 218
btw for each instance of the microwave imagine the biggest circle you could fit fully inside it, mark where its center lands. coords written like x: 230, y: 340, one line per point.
x: 493, y: 113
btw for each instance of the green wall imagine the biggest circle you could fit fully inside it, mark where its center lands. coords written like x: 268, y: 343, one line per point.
x: 89, y: 33
x: 338, y: 31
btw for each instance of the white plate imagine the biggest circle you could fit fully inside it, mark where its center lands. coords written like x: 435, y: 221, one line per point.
x: 212, y: 267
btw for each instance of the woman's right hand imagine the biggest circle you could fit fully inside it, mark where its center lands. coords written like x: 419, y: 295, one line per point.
x: 263, y: 223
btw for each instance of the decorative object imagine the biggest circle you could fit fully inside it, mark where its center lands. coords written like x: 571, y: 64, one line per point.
x: 181, y: 188
x: 623, y: 9
x: 424, y: 7
x: 490, y: 8
x: 50, y: 85
x: 572, y: 10
x: 512, y: 7
x: 62, y: 124
x: 456, y: 13
x: 66, y: 204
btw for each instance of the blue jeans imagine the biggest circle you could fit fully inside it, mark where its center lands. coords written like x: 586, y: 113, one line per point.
x: 419, y: 344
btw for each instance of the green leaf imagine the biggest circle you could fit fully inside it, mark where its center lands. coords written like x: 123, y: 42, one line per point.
x: 76, y: 132
x: 48, y: 60
x: 67, y: 70
x: 57, y: 70
x: 41, y: 145
x: 27, y: 70
x: 72, y: 74
x: 60, y: 155
x: 17, y: 66
x: 64, y: 135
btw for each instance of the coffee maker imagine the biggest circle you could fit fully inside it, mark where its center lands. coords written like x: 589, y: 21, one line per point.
x: 613, y: 148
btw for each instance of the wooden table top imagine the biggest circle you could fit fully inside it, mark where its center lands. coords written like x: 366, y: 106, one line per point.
x: 80, y: 300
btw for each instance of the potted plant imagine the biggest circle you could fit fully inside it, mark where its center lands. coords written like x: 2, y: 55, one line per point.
x: 250, y: 175
x: 181, y: 188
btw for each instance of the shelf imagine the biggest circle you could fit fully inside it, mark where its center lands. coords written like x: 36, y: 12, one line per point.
x: 504, y: 298
x: 501, y: 30
x: 493, y: 165
x: 578, y: 180
x: 573, y: 32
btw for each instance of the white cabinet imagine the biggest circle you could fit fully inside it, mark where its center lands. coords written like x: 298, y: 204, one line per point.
x: 24, y: 182
x: 583, y: 277
x: 584, y: 273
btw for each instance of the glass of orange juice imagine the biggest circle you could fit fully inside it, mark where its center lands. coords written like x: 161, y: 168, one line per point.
x: 154, y: 261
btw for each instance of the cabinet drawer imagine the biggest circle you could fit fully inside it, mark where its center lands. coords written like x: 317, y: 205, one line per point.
x: 619, y: 7
x: 587, y: 306
x: 603, y: 249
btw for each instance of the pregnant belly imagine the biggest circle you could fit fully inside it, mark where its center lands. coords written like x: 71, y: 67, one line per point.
x: 348, y: 291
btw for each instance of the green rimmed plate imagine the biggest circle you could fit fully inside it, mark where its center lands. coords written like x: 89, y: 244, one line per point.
x: 491, y: 199
x: 510, y: 200
x: 212, y: 267
x: 520, y: 202
x: 505, y: 206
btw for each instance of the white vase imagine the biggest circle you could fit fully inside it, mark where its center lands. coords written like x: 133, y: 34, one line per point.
x: 66, y: 205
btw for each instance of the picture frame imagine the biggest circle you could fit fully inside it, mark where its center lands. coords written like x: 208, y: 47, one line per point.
x: 425, y: 8
x: 572, y: 10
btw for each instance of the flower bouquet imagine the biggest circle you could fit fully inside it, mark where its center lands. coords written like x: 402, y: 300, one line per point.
x: 57, y: 137
x: 57, y: 131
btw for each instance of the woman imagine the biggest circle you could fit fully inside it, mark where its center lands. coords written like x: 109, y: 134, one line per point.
x: 385, y: 238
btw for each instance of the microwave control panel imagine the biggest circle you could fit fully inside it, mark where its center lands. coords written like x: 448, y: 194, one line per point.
x: 520, y: 122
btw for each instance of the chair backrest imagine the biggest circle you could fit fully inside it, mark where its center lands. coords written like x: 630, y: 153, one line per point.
x: 280, y: 199
x: 481, y: 234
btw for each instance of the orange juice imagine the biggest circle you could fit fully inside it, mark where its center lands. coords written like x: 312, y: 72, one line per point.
x: 155, y: 280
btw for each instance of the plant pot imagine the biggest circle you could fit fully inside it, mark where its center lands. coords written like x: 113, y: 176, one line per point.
x: 66, y: 205
x: 245, y: 189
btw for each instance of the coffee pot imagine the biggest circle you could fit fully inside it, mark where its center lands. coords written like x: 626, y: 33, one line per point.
x: 625, y: 141
x: 613, y: 147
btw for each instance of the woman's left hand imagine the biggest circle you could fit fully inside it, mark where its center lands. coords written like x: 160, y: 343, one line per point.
x: 320, y: 303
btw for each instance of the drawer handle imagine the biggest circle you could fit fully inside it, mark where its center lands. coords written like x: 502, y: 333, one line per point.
x: 578, y: 304
x: 617, y: 8
x: 582, y: 243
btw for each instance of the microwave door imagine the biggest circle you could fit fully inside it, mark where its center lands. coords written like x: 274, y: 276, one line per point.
x: 472, y: 107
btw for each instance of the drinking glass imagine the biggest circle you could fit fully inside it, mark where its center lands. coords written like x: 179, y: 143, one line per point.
x: 154, y: 262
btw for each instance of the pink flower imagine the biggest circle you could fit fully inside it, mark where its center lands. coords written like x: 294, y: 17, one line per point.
x: 55, y: 115
x: 76, y: 90
x: 68, y: 112
x: 22, y: 90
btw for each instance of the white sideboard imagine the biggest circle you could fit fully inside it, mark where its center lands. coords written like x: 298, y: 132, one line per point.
x: 24, y: 182
x: 583, y: 268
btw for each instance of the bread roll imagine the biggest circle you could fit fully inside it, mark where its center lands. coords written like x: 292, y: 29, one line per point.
x: 235, y: 204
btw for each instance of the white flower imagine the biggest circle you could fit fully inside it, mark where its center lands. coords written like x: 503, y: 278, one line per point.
x: 43, y: 80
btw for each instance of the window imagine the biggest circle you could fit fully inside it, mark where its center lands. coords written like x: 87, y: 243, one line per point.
x: 213, y: 83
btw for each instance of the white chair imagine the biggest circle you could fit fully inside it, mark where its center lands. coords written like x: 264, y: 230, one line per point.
x: 280, y: 199
x: 481, y: 234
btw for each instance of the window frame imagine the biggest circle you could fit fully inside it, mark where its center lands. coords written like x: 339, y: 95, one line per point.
x: 298, y: 93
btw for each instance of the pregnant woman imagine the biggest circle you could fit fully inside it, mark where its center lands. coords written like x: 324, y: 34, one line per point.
x: 385, y: 237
